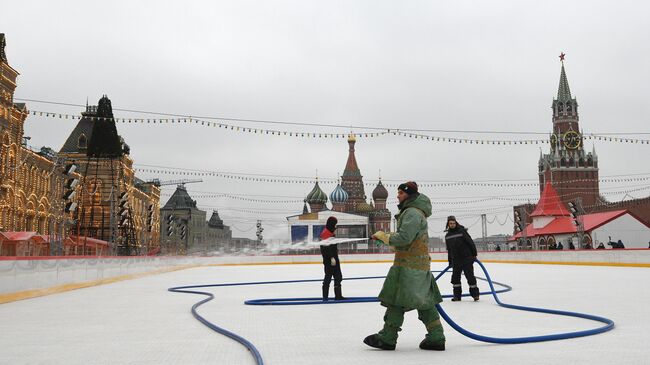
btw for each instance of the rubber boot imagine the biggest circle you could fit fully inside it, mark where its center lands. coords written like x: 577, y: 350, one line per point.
x: 337, y: 293
x: 376, y: 342
x: 435, y: 337
x: 458, y: 291
x: 474, y: 292
x: 386, y: 339
x: 326, y: 292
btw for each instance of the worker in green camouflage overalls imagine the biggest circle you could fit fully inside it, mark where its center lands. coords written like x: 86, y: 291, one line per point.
x: 409, y: 284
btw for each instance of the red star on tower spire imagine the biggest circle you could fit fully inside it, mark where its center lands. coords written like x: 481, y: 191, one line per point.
x: 562, y: 56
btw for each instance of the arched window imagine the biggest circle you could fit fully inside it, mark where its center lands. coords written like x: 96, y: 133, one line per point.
x: 569, y: 108
x: 83, y: 141
x: 41, y: 225
x: 11, y: 167
x: 550, y: 240
x: 590, y: 162
x: 560, y: 107
x: 563, y: 162
x: 581, y: 162
x: 571, y: 161
x: 29, y: 223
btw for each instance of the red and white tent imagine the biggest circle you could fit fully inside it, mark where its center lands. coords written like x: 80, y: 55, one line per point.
x: 552, y: 223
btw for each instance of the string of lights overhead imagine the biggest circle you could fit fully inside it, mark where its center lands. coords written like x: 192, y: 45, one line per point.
x: 289, y: 179
x: 189, y: 120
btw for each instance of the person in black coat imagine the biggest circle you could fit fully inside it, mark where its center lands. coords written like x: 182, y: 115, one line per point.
x: 331, y: 262
x: 461, y: 254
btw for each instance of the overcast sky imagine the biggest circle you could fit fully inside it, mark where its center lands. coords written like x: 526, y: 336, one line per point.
x: 458, y: 65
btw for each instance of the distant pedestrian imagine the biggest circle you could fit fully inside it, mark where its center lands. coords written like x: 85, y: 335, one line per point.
x: 331, y: 262
x: 560, y: 246
x: 600, y: 246
x: 461, y: 254
x: 617, y: 245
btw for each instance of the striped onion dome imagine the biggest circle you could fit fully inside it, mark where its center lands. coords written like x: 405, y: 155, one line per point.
x: 316, y: 195
x: 339, y: 195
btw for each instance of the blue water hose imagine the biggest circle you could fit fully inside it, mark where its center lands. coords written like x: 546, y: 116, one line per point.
x: 249, y: 346
x: 609, y: 324
x: 319, y: 300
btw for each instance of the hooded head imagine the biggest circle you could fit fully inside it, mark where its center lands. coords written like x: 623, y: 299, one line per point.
x: 451, y: 223
x: 331, y: 223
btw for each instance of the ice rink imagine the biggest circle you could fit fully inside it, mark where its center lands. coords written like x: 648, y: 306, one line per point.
x: 139, y: 322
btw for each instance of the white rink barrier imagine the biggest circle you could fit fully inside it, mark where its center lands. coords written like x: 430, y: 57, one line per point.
x: 17, y: 275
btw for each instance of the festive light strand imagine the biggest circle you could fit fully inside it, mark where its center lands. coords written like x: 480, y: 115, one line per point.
x: 329, y: 180
x: 313, y: 135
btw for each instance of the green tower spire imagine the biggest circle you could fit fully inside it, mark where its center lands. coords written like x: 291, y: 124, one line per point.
x: 563, y: 91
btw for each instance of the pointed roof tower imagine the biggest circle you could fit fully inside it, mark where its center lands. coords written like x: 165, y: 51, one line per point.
x: 549, y: 204
x: 180, y: 200
x: 96, y: 133
x: 563, y: 91
x: 351, y: 180
x: 215, y: 221
x: 351, y: 167
x: 3, y: 43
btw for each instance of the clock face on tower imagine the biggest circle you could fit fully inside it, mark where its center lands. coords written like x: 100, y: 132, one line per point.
x: 572, y: 140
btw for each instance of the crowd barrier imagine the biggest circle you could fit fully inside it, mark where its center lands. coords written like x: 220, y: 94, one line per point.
x: 37, y: 273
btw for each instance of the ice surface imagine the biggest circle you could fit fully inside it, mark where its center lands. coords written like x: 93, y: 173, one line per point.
x: 140, y: 322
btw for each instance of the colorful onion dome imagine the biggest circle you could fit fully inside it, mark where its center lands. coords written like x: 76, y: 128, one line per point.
x: 339, y: 195
x: 316, y: 196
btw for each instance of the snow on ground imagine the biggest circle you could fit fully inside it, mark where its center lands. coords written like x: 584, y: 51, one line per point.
x: 140, y: 322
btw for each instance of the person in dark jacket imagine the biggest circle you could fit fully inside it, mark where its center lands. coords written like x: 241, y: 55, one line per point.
x: 331, y: 262
x: 461, y: 254
x: 618, y: 244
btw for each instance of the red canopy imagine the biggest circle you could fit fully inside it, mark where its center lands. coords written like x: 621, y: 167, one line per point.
x: 562, y: 225
x: 549, y: 204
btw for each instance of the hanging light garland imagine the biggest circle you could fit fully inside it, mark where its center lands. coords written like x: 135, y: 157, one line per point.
x: 329, y: 180
x: 313, y: 135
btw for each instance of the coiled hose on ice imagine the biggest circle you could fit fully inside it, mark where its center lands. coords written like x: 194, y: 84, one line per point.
x: 609, y: 324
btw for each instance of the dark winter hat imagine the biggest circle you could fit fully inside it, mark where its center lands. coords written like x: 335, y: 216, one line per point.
x: 331, y: 223
x: 408, y: 187
x: 450, y: 219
